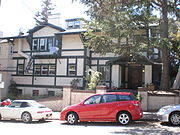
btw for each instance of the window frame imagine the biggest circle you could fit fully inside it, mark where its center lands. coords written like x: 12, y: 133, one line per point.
x: 19, y: 70
x: 46, y: 69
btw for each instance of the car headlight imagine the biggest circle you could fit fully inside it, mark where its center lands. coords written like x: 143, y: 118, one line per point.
x: 163, y: 109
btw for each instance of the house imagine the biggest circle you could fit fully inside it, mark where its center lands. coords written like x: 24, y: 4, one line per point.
x: 50, y: 56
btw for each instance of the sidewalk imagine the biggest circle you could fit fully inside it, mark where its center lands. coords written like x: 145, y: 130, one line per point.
x: 147, y: 116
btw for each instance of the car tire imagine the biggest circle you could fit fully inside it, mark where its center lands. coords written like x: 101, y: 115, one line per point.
x: 72, y: 118
x: 0, y: 117
x: 174, y: 118
x: 124, y: 118
x: 26, y: 117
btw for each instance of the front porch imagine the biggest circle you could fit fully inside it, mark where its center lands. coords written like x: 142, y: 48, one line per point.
x: 131, y: 72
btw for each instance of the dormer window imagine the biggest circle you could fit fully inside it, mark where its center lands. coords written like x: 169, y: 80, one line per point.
x: 43, y: 44
x: 73, y: 23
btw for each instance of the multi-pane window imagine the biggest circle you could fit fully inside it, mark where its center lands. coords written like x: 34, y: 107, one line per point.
x: 35, y: 45
x: 52, y: 69
x: 44, y: 69
x: 105, y: 70
x: 73, y: 24
x: 20, y: 69
x: 35, y: 92
x: 44, y: 43
x: 11, y: 49
x: 37, y: 69
x: 72, y: 70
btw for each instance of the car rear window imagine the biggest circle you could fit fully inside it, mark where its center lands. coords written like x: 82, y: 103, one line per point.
x: 125, y: 97
x: 108, y: 98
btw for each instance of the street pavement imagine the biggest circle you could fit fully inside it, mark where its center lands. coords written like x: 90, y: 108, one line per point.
x: 147, y: 116
x: 148, y: 125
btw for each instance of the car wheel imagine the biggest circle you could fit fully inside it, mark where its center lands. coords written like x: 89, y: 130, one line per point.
x: 26, y: 117
x: 175, y: 118
x: 124, y: 118
x: 0, y: 117
x: 72, y: 118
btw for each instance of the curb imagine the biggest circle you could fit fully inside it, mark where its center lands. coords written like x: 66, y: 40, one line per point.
x: 147, y: 116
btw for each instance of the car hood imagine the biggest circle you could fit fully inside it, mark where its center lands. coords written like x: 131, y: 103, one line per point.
x: 175, y: 106
x: 71, y: 107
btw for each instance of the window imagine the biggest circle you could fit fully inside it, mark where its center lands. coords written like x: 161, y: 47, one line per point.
x: 44, y: 69
x: 70, y: 25
x: 109, y: 98
x: 11, y: 49
x: 105, y: 70
x: 124, y: 97
x: 20, y: 69
x: 73, y: 24
x: 72, y: 70
x: 24, y: 104
x: 35, y: 92
x: 42, y: 44
x: 37, y: 69
x: 15, y: 104
x: 50, y: 42
x: 52, y: 69
x: 51, y: 93
x: 35, y: 45
x: 93, y: 100
x: 77, y: 24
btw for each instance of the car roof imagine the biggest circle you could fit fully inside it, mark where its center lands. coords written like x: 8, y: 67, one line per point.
x: 116, y: 93
x: 24, y: 101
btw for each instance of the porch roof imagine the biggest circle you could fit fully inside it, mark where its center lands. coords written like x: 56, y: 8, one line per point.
x: 131, y: 59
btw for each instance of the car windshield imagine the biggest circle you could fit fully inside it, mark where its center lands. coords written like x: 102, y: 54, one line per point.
x: 36, y: 104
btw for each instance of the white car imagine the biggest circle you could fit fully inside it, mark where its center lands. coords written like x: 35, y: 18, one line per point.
x: 25, y: 110
x: 170, y: 113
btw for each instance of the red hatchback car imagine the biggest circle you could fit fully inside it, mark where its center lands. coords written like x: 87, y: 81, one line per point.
x: 119, y: 106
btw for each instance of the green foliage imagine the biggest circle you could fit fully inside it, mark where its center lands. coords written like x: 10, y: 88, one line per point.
x: 43, y: 15
x: 138, y: 97
x: 75, y: 83
x: 119, y: 19
x: 92, y: 79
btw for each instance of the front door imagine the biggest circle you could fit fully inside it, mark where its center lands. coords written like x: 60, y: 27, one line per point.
x: 131, y: 76
x: 134, y: 77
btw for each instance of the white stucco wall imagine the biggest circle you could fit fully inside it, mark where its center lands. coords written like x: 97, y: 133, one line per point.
x: 115, y: 75
x: 72, y: 53
x: 72, y: 42
x: 43, y: 80
x: 80, y: 66
x: 22, y: 79
x: 46, y: 31
x: 62, y: 67
x: 148, y: 74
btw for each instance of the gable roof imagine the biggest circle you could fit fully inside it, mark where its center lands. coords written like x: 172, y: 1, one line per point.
x: 135, y: 58
x: 38, y: 27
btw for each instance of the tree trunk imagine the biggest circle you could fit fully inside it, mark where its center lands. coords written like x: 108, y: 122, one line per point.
x: 165, y: 52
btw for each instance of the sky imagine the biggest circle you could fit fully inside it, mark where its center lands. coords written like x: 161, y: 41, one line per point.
x: 19, y: 14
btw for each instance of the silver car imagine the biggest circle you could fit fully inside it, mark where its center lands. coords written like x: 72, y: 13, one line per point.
x: 170, y: 113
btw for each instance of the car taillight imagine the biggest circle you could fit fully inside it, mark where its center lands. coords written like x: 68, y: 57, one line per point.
x: 40, y: 112
x: 136, y: 103
x: 44, y: 111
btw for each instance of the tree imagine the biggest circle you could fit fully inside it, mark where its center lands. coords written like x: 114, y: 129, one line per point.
x: 123, y: 18
x: 42, y: 16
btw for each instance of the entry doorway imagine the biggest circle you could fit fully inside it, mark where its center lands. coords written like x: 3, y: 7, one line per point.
x: 131, y: 76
